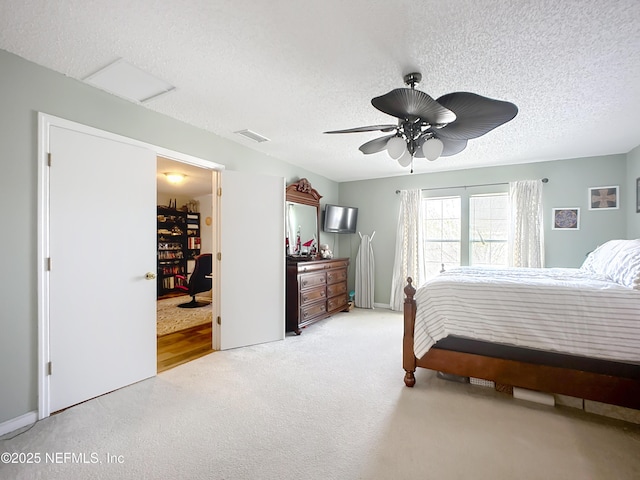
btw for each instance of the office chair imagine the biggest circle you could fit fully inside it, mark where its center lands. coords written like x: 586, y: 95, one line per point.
x: 198, y: 282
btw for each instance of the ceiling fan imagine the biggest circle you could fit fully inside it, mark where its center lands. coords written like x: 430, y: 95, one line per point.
x: 429, y: 128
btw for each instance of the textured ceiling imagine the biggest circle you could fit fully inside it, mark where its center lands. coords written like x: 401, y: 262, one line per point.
x: 291, y: 69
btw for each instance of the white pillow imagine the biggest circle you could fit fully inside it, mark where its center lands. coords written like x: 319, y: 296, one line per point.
x: 618, y: 260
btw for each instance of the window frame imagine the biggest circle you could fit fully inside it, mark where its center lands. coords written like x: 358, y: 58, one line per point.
x: 465, y: 193
x: 440, y: 241
x: 489, y: 240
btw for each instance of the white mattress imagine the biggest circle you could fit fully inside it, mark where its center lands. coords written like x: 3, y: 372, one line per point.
x: 555, y: 309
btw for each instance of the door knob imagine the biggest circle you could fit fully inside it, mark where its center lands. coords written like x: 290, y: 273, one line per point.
x: 150, y: 276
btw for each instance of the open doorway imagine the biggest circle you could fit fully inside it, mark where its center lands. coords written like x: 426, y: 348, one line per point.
x: 185, y: 247
x: 123, y: 297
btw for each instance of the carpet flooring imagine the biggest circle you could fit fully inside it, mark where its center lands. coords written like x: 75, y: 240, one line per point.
x: 171, y: 318
x: 329, y: 404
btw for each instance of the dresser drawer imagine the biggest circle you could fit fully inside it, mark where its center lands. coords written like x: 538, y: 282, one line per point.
x: 335, y: 276
x: 307, y: 267
x: 337, y: 264
x: 309, y: 280
x: 312, y: 295
x: 312, y: 310
x: 337, y: 303
x: 336, y: 289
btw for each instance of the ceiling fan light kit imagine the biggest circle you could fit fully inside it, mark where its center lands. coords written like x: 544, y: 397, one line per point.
x: 405, y: 159
x: 432, y: 148
x: 396, y: 147
x: 429, y: 128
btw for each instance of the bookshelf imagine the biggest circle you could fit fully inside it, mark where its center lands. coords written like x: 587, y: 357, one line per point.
x: 178, y: 242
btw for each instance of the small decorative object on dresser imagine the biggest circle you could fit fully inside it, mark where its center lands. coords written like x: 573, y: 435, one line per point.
x: 325, y: 252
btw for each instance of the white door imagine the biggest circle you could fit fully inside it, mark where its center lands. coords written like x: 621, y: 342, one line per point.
x: 102, y: 242
x: 252, y: 268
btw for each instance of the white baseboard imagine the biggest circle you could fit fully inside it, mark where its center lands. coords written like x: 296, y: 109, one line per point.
x: 382, y: 305
x: 18, y: 422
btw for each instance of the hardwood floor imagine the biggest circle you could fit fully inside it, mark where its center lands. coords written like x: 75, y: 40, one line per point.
x: 181, y: 347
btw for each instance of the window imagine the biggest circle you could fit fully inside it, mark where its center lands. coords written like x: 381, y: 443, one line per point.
x: 442, y: 227
x: 488, y: 229
x: 465, y: 230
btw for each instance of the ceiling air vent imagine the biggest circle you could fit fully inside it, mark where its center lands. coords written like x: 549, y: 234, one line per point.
x: 252, y: 135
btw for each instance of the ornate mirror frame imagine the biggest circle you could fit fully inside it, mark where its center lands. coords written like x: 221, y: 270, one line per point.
x: 303, y: 193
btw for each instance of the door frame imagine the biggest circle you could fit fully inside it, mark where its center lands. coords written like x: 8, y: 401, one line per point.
x: 45, y: 122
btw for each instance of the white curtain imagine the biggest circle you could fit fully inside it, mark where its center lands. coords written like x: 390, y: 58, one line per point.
x: 409, y: 258
x: 526, y: 233
x: 365, y: 269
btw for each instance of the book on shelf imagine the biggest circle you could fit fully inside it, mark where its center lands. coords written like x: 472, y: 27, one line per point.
x: 172, y: 270
x: 170, y: 254
x: 193, y: 243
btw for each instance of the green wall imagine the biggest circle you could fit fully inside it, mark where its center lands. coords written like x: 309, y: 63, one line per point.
x: 25, y: 90
x: 633, y: 175
x: 568, y: 182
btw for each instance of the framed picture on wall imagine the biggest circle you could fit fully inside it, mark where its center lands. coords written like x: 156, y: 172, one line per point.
x: 604, y: 198
x: 566, y: 218
x: 637, y: 195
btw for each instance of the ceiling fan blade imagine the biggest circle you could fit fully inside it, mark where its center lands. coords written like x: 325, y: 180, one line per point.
x: 371, y: 128
x: 376, y: 145
x: 476, y: 115
x: 406, y: 103
x: 451, y: 147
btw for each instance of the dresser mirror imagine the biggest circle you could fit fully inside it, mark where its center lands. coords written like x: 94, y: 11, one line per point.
x: 302, y: 220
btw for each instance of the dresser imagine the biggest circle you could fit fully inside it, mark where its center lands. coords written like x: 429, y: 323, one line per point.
x: 316, y: 289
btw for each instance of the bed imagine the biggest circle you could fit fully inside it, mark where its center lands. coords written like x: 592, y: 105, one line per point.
x: 564, y: 331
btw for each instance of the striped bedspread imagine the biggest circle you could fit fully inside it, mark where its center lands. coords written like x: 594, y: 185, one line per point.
x: 555, y: 309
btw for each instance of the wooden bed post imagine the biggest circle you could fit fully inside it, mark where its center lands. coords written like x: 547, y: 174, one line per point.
x: 408, y: 357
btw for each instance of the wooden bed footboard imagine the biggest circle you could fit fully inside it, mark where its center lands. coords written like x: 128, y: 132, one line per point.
x: 613, y: 389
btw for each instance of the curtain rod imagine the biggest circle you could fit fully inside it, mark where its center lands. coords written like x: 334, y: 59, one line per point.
x: 544, y: 180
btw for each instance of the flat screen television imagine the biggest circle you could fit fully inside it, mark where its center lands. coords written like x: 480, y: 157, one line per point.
x: 338, y: 219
